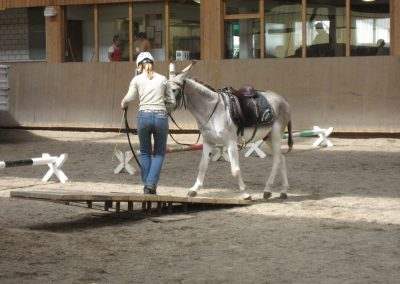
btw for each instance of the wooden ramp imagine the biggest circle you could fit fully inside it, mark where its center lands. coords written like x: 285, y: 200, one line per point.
x: 109, y: 198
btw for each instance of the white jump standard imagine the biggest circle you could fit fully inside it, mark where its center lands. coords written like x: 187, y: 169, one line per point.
x: 54, y: 164
x: 322, y: 134
x: 124, y: 159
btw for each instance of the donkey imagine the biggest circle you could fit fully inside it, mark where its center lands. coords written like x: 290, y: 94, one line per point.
x: 217, y: 128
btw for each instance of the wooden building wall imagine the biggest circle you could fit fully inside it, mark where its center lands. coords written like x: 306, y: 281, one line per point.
x: 356, y: 94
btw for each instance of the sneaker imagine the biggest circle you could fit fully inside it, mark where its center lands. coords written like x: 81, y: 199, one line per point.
x: 149, y: 190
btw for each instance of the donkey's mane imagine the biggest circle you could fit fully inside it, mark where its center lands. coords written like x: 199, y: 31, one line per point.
x: 203, y: 84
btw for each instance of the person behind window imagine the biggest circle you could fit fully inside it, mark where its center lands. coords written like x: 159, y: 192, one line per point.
x: 381, y: 47
x: 141, y: 44
x: 152, y: 119
x: 322, y: 36
x: 114, y: 52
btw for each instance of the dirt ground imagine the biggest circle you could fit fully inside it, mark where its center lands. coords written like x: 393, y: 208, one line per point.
x: 341, y: 223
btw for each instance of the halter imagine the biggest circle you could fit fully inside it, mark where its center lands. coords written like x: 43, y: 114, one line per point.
x: 182, y: 93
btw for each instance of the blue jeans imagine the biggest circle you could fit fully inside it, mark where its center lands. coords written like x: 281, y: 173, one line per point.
x: 154, y: 123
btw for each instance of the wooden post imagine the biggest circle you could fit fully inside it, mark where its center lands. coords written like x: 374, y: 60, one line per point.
x: 149, y: 207
x: 166, y: 28
x: 304, y: 28
x: 262, y: 29
x: 130, y: 206
x: 348, y: 27
x: 130, y: 31
x: 117, y: 206
x: 55, y: 36
x: 89, y: 204
x: 96, y: 32
x: 395, y: 27
x: 212, y: 29
x: 159, y: 208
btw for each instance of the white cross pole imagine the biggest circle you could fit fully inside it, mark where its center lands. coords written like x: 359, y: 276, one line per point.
x: 54, y: 167
x: 255, y: 148
x: 124, y: 159
x: 323, y: 135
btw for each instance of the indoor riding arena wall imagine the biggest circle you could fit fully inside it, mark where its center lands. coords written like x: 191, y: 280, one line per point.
x: 356, y: 94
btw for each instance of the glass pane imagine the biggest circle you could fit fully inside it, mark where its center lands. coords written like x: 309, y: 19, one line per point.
x: 36, y: 34
x: 148, y: 29
x: 79, y: 39
x: 370, y: 28
x: 326, y: 28
x: 242, y: 39
x: 185, y: 30
x: 241, y: 6
x: 283, y: 30
x: 113, y: 33
x: 22, y: 34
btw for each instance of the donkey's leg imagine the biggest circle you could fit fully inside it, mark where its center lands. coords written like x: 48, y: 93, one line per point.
x: 274, y: 141
x: 285, y: 182
x: 205, y: 158
x: 235, y: 168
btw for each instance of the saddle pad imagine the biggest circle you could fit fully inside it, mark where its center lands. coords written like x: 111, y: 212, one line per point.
x: 266, y: 112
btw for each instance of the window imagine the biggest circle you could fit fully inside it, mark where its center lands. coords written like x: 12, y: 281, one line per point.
x: 113, y: 33
x: 326, y: 28
x: 370, y: 28
x: 22, y: 33
x: 148, y: 29
x: 242, y: 39
x: 184, y: 30
x: 79, y: 40
x: 283, y: 28
x: 242, y: 29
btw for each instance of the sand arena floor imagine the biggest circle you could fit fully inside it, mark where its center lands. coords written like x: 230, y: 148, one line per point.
x: 341, y: 223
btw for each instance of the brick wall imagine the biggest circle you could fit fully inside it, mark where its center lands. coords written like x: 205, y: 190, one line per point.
x: 14, y: 38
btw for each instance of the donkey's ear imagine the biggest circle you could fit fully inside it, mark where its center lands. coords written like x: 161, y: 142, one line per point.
x: 187, y: 68
x: 172, y: 69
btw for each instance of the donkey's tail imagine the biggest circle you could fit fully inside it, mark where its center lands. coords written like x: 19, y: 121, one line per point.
x: 290, y: 136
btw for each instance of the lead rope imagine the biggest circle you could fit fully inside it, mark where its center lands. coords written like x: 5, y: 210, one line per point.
x: 127, y: 128
x: 119, y: 133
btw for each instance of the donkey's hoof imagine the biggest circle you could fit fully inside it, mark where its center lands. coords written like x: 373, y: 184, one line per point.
x: 283, y: 196
x: 267, y: 195
x: 192, y: 193
x: 246, y: 196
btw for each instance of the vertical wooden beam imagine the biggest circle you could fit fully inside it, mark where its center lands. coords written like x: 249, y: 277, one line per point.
x: 395, y: 27
x: 348, y: 27
x: 130, y: 15
x: 212, y: 29
x: 96, y: 32
x: 262, y: 29
x: 304, y: 28
x: 167, y: 35
x: 55, y: 36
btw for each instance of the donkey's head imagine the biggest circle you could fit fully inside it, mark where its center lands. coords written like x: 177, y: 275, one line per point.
x: 175, y: 83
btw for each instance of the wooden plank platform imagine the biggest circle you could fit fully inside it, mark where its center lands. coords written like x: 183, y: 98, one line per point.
x: 87, y: 196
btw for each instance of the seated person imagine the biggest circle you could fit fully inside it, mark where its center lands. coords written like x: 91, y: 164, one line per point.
x: 114, y: 52
x: 140, y: 44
